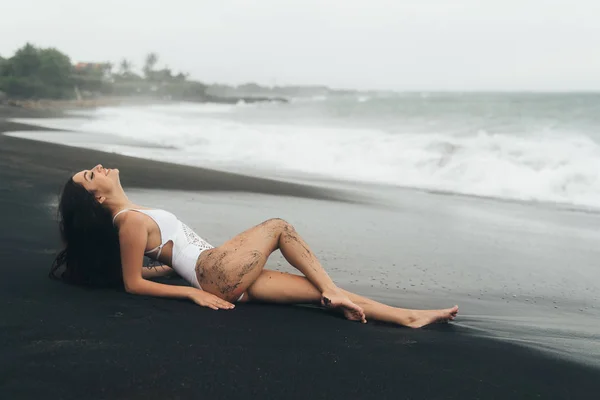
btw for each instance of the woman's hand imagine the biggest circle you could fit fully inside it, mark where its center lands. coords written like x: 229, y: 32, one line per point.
x: 206, y: 299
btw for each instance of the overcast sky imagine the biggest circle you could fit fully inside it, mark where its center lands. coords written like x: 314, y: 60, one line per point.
x: 380, y: 44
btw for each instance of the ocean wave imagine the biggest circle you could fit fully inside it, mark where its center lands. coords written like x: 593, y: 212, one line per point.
x: 544, y: 166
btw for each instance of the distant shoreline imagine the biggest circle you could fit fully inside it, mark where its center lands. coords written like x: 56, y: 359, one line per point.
x: 52, y: 104
x: 110, y: 101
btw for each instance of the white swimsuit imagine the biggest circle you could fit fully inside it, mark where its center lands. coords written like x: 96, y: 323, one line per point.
x: 187, y: 245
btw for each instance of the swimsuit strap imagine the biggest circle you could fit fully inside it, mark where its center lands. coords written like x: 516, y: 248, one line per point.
x: 122, y: 211
x: 159, y: 248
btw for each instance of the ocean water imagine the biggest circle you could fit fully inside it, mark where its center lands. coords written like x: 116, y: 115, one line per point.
x: 529, y: 147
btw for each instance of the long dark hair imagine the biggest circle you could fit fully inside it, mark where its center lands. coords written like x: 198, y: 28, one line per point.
x: 91, y: 255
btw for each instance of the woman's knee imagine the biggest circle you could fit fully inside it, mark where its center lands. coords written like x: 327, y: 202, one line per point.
x: 278, y: 224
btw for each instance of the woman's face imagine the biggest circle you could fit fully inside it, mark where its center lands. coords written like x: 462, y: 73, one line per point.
x: 99, y: 181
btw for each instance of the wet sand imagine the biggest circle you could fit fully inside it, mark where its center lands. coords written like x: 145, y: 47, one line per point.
x: 66, y: 342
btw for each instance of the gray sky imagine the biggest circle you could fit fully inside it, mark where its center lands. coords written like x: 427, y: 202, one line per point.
x: 380, y: 44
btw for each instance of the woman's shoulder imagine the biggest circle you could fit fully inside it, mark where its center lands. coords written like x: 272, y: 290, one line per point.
x: 133, y: 231
x: 130, y: 220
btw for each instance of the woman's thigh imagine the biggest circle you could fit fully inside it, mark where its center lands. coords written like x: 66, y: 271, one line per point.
x: 280, y: 287
x: 228, y: 270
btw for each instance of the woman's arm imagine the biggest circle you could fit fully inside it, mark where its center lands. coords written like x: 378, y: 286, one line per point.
x: 198, y: 296
x: 132, y: 238
x: 156, y: 271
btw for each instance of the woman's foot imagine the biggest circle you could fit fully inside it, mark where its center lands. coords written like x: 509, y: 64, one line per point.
x: 426, y: 317
x: 337, y: 299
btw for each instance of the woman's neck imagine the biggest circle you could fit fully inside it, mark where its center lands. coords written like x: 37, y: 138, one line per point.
x: 118, y: 203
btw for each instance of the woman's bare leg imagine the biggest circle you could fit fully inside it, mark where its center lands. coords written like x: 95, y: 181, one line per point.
x: 230, y: 269
x: 279, y: 287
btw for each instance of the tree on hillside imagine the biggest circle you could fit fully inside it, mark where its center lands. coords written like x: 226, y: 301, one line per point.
x: 24, y: 63
x: 125, y: 66
x: 55, y: 68
x: 181, y: 76
x: 163, y: 75
x: 37, y: 73
x: 151, y: 60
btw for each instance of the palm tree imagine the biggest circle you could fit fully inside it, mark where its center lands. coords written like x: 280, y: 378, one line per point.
x: 151, y: 60
x: 125, y: 66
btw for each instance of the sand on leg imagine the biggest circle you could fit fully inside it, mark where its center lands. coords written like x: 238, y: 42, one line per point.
x: 231, y: 268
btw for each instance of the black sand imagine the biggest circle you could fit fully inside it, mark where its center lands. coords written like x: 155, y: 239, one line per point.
x: 64, y: 342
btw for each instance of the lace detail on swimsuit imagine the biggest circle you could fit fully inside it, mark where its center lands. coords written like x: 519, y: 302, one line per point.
x: 194, y: 239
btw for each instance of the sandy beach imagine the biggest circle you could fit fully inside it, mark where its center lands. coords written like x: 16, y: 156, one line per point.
x: 525, y: 277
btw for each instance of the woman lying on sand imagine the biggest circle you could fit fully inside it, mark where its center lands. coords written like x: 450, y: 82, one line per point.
x: 106, y: 237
